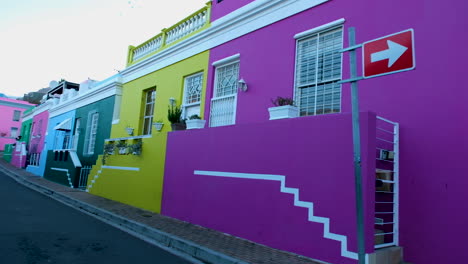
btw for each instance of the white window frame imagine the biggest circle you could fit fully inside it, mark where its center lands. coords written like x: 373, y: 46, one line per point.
x: 76, y: 133
x: 91, y: 133
x: 16, y: 115
x: 147, y: 115
x: 337, y: 24
x: 15, y: 131
x: 186, y: 105
x: 235, y: 59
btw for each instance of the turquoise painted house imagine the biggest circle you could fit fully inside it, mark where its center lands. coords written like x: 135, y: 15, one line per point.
x: 79, y: 121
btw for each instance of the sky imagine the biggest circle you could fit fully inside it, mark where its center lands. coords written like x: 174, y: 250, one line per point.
x: 47, y: 40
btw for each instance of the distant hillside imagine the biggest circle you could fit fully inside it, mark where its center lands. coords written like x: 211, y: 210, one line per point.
x: 35, y: 97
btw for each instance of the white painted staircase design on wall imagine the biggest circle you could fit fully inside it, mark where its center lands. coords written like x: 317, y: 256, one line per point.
x: 309, y: 205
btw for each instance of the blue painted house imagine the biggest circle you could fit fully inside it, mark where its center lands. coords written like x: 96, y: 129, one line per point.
x: 80, y: 120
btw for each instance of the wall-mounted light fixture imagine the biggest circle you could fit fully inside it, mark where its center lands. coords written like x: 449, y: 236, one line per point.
x: 242, y: 85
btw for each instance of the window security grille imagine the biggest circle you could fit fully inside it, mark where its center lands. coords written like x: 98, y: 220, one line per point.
x: 318, y: 70
x: 192, y: 95
x: 150, y: 96
x: 16, y: 115
x: 223, y: 104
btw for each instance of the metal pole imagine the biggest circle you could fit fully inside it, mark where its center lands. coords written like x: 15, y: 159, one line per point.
x: 357, y: 148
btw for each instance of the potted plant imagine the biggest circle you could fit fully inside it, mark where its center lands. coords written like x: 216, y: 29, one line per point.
x: 129, y: 130
x: 195, y: 122
x: 158, y: 125
x: 284, y: 108
x: 123, y: 147
x: 108, y: 150
x: 136, y: 147
x: 174, y: 114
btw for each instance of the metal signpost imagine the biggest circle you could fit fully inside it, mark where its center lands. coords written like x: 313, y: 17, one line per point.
x: 390, y: 54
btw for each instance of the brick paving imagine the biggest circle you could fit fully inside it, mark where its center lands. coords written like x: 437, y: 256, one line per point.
x: 237, y: 248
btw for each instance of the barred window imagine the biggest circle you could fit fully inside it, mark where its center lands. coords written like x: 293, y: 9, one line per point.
x: 223, y: 104
x: 318, y: 70
x: 192, y: 95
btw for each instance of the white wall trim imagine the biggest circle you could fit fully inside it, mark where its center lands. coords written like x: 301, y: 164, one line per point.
x: 41, y: 108
x: 226, y: 60
x: 128, y: 138
x: 320, y: 28
x: 27, y: 117
x: 244, y: 20
x: 309, y: 205
x: 121, y: 168
x: 68, y: 175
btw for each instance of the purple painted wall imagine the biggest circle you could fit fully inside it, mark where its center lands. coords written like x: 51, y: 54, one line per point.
x: 225, y: 7
x: 429, y: 103
x: 314, y: 153
x: 38, y: 132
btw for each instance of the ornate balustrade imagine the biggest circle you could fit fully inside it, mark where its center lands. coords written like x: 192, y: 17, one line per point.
x: 196, y: 22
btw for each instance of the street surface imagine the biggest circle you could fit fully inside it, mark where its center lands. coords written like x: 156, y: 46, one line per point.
x: 35, y: 229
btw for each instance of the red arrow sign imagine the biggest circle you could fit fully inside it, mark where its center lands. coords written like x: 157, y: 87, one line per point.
x: 390, y: 54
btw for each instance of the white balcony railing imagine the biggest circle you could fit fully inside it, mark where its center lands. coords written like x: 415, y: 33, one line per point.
x: 193, y: 23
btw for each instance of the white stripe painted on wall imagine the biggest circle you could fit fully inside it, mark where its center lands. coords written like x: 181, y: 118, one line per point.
x: 121, y: 168
x: 308, y: 205
x: 68, y: 175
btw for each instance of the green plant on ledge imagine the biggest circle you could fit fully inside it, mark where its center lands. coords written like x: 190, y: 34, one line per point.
x: 280, y: 101
x: 174, y: 115
x: 122, y: 146
x: 194, y: 117
x: 136, y: 147
x: 108, y: 150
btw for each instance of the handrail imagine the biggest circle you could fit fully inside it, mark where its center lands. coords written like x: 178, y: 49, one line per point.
x: 196, y: 22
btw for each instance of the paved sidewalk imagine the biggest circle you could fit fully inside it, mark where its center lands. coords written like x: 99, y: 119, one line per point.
x: 202, y: 244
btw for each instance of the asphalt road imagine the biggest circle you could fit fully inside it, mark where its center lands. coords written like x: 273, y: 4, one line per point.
x: 35, y: 229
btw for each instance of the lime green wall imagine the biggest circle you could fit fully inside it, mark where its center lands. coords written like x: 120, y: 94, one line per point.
x: 143, y: 188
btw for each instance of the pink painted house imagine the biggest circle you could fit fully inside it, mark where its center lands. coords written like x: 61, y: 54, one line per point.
x: 289, y: 184
x: 10, y: 119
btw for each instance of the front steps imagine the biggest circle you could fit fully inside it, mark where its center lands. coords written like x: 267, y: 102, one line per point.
x: 390, y: 255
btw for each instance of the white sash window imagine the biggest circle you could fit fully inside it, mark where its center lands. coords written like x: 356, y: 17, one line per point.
x: 92, y: 126
x: 150, y: 97
x: 318, y: 70
x: 192, y: 95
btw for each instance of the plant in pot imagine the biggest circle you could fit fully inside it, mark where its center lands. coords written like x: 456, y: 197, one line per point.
x: 158, y: 125
x: 123, y: 147
x: 195, y: 122
x: 136, y: 147
x: 283, y: 108
x: 129, y: 130
x: 174, y: 115
x: 108, y: 150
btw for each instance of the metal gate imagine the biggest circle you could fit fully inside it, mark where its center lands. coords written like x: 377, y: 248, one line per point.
x: 387, y: 194
x: 84, y: 172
